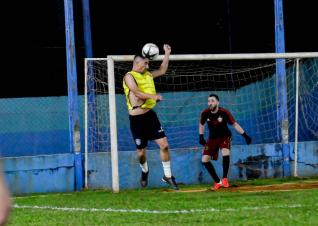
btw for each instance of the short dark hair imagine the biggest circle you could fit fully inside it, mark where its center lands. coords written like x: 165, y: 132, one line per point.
x: 139, y: 56
x: 214, y: 95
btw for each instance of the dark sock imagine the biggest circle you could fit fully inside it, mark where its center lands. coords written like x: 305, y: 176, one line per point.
x: 209, y: 167
x: 226, y: 165
x: 142, y: 159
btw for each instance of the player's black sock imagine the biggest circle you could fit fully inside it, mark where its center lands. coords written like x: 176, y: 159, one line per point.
x: 209, y: 167
x: 142, y: 159
x: 226, y: 165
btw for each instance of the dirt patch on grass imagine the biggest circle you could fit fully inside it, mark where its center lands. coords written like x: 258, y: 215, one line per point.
x: 255, y: 188
x: 273, y: 187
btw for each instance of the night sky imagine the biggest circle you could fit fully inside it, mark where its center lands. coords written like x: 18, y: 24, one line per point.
x: 226, y: 26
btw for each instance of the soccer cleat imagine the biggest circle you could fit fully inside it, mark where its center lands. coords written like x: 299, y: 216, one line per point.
x: 171, y: 181
x: 216, y: 186
x: 225, y: 182
x: 144, y: 179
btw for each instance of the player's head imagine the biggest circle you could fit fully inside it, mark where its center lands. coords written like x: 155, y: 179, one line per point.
x: 213, y: 101
x: 140, y: 64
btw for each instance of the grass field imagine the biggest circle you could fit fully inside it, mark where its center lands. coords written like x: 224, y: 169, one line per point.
x: 156, y: 207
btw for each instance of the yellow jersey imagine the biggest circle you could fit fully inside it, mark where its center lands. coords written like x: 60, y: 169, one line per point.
x: 145, y: 84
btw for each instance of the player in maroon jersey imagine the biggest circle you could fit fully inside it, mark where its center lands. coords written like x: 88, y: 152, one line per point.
x: 217, y: 119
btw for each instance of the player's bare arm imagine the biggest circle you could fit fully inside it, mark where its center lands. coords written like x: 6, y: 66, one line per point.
x: 165, y: 62
x: 238, y: 128
x: 5, y: 202
x: 202, y: 141
x: 201, y: 129
x: 241, y: 131
x: 130, y: 82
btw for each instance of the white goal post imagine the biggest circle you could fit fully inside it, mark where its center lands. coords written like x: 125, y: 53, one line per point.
x: 111, y: 59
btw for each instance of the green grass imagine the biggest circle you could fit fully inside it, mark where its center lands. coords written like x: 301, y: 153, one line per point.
x: 262, y: 208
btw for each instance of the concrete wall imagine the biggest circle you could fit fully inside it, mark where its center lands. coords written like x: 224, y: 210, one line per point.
x: 307, y: 158
x: 55, y: 173
x: 39, y: 174
x: 247, y: 162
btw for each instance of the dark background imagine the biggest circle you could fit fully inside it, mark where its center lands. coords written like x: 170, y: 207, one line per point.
x: 35, y: 31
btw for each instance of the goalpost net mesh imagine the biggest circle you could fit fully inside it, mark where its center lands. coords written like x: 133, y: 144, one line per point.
x: 247, y: 88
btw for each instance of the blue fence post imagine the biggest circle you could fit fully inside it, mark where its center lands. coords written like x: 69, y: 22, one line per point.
x: 87, y: 29
x: 282, y: 114
x: 92, y: 113
x: 74, y: 124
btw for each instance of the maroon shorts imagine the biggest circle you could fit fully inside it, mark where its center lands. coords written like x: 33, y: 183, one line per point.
x: 213, y: 145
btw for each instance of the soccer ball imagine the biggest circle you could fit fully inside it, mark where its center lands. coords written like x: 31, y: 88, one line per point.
x: 150, y: 51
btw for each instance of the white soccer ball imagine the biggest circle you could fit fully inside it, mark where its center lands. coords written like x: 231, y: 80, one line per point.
x: 150, y: 51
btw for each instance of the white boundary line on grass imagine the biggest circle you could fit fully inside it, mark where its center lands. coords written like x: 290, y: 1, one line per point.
x: 71, y: 209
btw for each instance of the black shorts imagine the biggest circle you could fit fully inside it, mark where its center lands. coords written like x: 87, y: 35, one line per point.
x: 145, y: 127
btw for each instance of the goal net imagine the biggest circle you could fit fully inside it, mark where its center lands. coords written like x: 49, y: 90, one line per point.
x: 246, y: 87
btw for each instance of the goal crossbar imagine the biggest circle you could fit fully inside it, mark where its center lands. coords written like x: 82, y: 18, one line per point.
x: 238, y: 56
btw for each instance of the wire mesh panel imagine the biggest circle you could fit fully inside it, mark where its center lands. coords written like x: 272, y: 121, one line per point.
x: 33, y: 126
x: 247, y: 88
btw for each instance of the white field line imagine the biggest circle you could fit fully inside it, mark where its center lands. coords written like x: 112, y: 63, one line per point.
x: 72, y: 209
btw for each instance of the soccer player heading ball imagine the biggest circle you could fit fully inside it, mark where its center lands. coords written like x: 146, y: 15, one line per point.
x: 217, y: 119
x: 141, y: 97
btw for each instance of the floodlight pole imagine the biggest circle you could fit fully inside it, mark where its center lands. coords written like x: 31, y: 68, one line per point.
x: 282, y: 113
x: 89, y: 84
x: 74, y: 124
